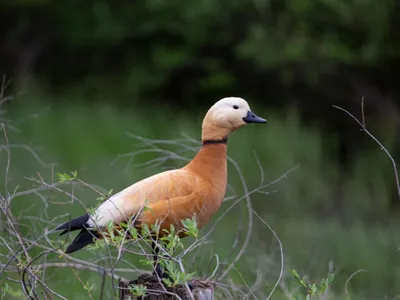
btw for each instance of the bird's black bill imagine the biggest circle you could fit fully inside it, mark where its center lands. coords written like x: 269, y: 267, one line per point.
x: 252, y: 118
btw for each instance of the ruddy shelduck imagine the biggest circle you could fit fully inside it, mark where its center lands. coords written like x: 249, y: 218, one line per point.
x: 197, y: 189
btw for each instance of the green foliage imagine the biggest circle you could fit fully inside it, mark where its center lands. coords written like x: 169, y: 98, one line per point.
x: 146, y: 206
x: 169, y: 242
x: 89, y: 286
x: 138, y: 290
x: 62, y: 177
x: 173, y: 244
x: 105, y: 196
x: 185, y: 49
x: 313, y: 290
x: 190, y: 227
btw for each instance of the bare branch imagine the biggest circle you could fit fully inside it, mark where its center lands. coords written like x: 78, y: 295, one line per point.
x: 382, y: 147
x: 350, y: 278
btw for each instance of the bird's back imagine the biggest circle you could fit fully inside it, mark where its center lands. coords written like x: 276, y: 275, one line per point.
x: 169, y: 197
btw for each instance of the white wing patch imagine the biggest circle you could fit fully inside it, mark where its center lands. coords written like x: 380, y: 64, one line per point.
x: 110, y: 210
x: 118, y: 208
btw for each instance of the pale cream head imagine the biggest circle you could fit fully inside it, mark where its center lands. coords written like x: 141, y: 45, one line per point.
x: 227, y: 115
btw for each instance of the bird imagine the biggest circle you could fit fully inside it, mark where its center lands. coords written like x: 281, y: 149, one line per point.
x: 197, y: 189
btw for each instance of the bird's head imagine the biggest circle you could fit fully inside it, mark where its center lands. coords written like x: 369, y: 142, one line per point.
x: 227, y: 115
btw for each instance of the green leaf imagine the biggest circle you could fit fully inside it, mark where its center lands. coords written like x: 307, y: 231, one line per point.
x: 324, y: 285
x: 63, y: 177
x: 190, y: 227
x: 331, y: 277
x: 155, y: 228
x: 133, y: 232
x: 167, y: 282
x: 313, y: 289
x: 110, y: 225
x: 104, y: 196
x: 295, y: 274
x: 138, y: 290
x: 145, y: 231
x: 145, y: 262
x: 323, y: 282
x: 146, y: 206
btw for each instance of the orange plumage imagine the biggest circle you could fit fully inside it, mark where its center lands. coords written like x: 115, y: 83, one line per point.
x: 172, y: 196
x: 197, y: 189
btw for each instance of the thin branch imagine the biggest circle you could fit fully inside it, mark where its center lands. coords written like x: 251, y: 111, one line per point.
x: 250, y: 220
x: 7, y: 149
x: 28, y: 149
x: 351, y: 277
x: 79, y: 266
x: 281, y: 252
x: 382, y: 147
x: 362, y: 112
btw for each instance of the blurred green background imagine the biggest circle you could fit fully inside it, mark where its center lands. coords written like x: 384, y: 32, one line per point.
x: 86, y: 74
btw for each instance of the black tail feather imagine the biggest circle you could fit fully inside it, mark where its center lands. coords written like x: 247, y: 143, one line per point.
x: 75, y: 224
x: 84, y: 238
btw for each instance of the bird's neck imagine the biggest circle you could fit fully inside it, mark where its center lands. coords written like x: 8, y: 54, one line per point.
x: 211, y: 131
x: 210, y: 163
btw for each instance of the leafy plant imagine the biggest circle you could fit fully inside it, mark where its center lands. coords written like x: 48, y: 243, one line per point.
x: 104, y: 196
x: 312, y: 290
x: 190, y: 227
x: 63, y: 177
x: 138, y: 290
x: 170, y: 244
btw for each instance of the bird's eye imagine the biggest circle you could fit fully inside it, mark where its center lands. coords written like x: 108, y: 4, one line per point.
x: 235, y: 107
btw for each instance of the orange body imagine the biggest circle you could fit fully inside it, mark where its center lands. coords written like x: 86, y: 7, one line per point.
x: 197, y: 189
x: 172, y: 196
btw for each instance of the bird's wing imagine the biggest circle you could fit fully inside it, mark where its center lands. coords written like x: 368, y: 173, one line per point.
x: 173, y: 188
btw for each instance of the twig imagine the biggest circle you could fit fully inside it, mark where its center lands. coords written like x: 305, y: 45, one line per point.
x: 281, y: 252
x: 364, y: 128
x: 250, y: 219
x: 362, y: 112
x: 79, y: 266
x: 7, y: 149
x: 350, y: 277
x: 28, y: 149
